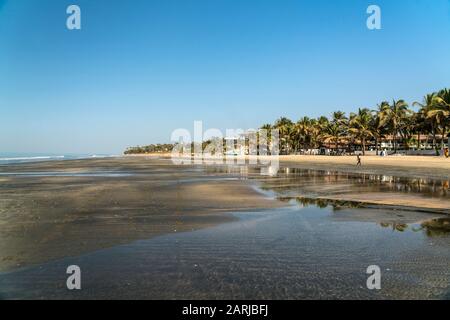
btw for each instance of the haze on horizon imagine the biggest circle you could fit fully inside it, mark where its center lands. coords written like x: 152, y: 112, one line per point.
x: 138, y: 70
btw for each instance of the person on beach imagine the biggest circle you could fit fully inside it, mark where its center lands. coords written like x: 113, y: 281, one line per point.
x: 358, y: 160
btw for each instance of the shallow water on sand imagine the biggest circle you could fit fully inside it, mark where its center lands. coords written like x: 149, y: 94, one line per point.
x: 289, y: 180
x: 292, y: 253
x: 307, y: 250
x: 345, y: 188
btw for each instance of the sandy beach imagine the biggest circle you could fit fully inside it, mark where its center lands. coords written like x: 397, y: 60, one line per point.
x: 77, y: 206
x: 223, y: 231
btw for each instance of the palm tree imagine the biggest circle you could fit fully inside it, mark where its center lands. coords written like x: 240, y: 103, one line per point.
x: 339, y: 118
x: 441, y: 112
x: 302, y: 131
x: 322, y: 125
x: 334, y: 132
x: 285, y: 126
x: 316, y: 131
x: 360, y: 125
x: 338, y: 127
x: 443, y: 98
x: 378, y: 127
x: 394, y: 117
x: 409, y: 129
x: 420, y: 125
x: 424, y: 116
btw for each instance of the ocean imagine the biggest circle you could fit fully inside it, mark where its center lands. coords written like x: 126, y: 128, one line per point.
x: 10, y: 158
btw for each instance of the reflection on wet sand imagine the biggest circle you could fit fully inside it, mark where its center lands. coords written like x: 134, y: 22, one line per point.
x: 289, y: 179
x: 432, y: 228
x: 297, y: 182
x: 437, y: 227
x: 400, y: 227
x: 357, y: 190
x: 323, y: 203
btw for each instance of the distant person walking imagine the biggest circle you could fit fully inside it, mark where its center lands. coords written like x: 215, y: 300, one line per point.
x: 446, y: 152
x: 358, y: 160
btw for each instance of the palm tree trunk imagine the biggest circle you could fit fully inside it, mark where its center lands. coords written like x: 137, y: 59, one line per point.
x: 376, y: 145
x: 434, y: 135
x: 337, y: 145
x: 395, y: 141
x: 364, y: 146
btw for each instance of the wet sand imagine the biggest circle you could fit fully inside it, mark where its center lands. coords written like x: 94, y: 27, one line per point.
x: 418, y: 170
x: 142, y: 227
x: 400, y: 166
x: 284, y: 253
x: 55, y: 209
x: 101, y: 203
x: 422, y: 194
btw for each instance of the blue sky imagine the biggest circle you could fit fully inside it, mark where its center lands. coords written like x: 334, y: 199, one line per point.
x: 139, y: 69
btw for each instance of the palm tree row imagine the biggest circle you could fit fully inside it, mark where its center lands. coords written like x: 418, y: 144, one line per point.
x: 152, y: 148
x: 394, y: 121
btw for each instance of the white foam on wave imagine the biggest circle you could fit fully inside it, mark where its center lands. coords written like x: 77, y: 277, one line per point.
x: 36, y: 158
x: 31, y: 158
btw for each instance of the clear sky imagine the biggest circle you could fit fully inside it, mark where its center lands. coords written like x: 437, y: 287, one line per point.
x: 139, y: 69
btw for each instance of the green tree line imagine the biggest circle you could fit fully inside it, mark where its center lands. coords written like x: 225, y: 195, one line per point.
x: 394, y: 120
x: 152, y: 148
